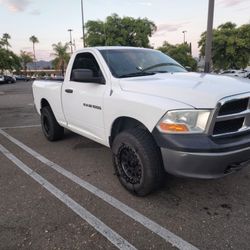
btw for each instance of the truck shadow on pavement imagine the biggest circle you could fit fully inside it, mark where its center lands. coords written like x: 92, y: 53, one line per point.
x: 81, y: 141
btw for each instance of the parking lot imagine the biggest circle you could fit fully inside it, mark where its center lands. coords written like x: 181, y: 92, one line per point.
x: 64, y: 195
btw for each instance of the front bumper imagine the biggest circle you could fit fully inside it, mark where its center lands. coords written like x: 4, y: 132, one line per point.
x: 204, y: 165
x: 202, y: 156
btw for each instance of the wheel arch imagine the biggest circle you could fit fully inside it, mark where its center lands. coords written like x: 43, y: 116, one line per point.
x: 54, y: 106
x: 44, y: 103
x: 123, y: 123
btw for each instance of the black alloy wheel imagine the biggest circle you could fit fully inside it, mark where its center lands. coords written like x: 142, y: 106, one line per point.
x: 51, y: 129
x: 137, y: 161
x: 129, y: 164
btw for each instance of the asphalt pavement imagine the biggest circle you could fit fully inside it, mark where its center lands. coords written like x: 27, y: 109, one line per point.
x: 64, y: 195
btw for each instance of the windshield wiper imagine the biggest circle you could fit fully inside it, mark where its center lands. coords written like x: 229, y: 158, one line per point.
x: 161, y: 65
x: 160, y: 71
x: 134, y: 74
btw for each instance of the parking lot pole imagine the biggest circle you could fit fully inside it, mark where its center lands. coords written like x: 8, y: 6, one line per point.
x: 70, y: 41
x: 184, y: 36
x: 208, y: 49
x: 83, y: 33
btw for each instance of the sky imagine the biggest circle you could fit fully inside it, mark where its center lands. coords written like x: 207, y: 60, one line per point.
x: 49, y: 20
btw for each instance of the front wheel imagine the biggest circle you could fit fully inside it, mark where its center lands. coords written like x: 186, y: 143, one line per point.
x: 137, y: 160
x: 51, y: 129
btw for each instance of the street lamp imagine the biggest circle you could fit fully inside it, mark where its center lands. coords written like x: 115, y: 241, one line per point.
x: 70, y: 41
x: 184, y: 35
x: 208, y: 49
x: 83, y: 35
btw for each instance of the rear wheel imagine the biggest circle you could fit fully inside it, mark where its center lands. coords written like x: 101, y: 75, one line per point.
x: 51, y: 129
x: 137, y: 160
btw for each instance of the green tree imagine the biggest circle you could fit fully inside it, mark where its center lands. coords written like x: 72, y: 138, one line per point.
x: 5, y: 39
x: 25, y: 58
x: 181, y: 53
x: 34, y: 40
x: 126, y: 31
x: 61, y: 56
x: 231, y: 46
x: 8, y: 59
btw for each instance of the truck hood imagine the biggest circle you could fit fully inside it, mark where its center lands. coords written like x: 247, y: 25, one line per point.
x: 194, y: 89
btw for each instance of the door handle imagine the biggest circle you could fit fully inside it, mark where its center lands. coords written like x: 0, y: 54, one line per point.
x: 70, y: 91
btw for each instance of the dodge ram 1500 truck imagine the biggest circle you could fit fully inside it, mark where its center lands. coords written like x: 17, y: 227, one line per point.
x: 154, y: 115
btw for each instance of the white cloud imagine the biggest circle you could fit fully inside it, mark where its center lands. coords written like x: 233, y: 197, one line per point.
x: 140, y: 2
x: 16, y: 5
x: 163, y: 28
x: 145, y: 3
x: 35, y: 12
x: 229, y: 3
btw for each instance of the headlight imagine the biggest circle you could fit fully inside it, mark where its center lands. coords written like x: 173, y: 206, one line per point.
x: 184, y: 121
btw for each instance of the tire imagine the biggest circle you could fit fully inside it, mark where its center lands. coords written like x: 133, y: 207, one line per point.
x: 137, y: 161
x: 51, y: 129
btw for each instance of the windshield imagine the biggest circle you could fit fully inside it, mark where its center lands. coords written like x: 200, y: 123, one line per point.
x: 139, y: 62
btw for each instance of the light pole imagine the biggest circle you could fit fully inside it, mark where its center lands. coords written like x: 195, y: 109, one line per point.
x: 184, y: 35
x: 83, y: 34
x: 70, y: 41
x: 208, y: 49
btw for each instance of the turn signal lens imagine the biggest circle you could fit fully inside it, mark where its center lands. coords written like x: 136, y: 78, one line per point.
x: 173, y: 127
x: 184, y: 121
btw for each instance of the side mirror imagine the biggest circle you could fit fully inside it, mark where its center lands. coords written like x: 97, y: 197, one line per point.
x: 86, y: 75
x: 188, y: 68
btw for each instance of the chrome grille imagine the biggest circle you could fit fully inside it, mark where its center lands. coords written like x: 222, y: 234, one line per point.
x: 235, y: 106
x: 232, y: 116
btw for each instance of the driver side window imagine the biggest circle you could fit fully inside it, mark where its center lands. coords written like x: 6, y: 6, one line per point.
x: 86, y: 61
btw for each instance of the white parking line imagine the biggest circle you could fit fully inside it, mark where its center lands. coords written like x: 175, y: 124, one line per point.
x: 106, y: 231
x: 146, y: 222
x: 25, y: 126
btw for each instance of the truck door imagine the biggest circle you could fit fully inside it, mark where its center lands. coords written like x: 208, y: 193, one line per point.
x: 83, y: 101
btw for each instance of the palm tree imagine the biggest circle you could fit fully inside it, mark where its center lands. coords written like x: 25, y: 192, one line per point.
x: 25, y: 58
x: 61, y: 56
x: 34, y: 40
x: 5, y: 38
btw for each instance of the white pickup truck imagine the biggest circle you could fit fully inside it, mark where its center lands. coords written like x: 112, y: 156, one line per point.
x: 154, y: 115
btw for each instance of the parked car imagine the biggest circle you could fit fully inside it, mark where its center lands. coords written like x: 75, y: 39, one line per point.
x: 152, y: 113
x: 58, y: 77
x: 7, y: 79
x: 22, y: 78
x: 1, y: 79
x: 234, y: 72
